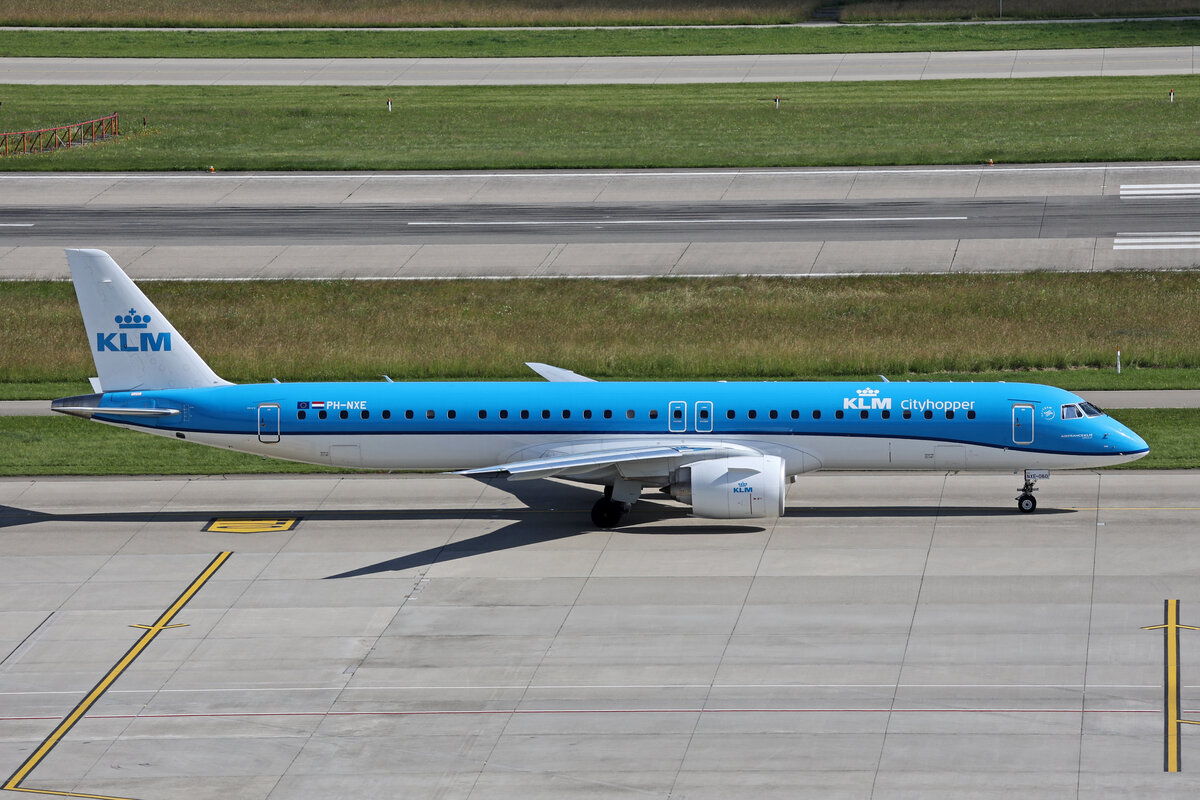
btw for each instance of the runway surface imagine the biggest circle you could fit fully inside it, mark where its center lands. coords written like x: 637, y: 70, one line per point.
x: 607, y: 223
x: 428, y: 636
x: 595, y: 70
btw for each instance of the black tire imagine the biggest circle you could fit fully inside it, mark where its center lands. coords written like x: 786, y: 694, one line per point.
x: 1026, y: 503
x: 607, y: 513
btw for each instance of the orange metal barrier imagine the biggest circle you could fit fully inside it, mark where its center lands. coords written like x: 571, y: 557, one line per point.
x: 94, y: 130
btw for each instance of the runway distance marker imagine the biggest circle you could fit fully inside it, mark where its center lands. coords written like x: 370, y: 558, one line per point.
x: 235, y: 525
x: 13, y: 784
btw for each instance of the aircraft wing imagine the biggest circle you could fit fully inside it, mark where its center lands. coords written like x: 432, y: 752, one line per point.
x: 569, y: 464
x: 557, y: 374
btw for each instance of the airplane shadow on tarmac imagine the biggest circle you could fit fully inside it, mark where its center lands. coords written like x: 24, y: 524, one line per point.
x: 552, y: 511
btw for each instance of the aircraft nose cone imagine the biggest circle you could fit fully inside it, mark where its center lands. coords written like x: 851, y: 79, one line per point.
x: 1130, y: 442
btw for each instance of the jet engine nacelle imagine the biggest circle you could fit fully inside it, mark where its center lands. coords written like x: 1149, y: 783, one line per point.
x: 733, y: 488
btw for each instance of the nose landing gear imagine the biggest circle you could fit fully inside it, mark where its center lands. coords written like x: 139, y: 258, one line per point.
x: 1026, y: 502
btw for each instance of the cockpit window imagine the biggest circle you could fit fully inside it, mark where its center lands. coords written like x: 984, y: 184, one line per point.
x: 1091, y: 410
x: 1071, y: 411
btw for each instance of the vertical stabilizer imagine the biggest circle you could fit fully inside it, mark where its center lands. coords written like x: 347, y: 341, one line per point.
x: 133, y: 344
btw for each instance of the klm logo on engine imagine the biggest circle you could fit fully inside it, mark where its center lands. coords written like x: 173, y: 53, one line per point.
x: 128, y: 339
x: 743, y: 488
x: 867, y: 400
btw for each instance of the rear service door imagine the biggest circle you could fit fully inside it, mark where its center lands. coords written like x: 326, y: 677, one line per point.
x: 268, y: 423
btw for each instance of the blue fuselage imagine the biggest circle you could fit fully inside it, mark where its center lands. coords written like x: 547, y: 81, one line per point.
x: 811, y: 425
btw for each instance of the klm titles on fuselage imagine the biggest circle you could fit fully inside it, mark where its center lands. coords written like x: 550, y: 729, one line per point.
x: 869, y: 400
x: 123, y: 342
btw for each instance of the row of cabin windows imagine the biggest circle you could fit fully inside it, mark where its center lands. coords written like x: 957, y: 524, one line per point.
x: 631, y: 414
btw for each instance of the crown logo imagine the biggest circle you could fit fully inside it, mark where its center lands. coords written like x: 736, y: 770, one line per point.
x: 868, y: 392
x: 132, y: 320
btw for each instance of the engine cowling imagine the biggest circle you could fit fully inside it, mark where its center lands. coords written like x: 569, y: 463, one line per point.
x: 743, y: 487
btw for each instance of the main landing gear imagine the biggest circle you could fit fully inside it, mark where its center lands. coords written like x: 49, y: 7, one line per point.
x: 607, y: 513
x: 618, y: 499
x: 1026, y: 502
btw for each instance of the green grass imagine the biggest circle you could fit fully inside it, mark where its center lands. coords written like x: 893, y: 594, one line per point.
x: 68, y: 446
x: 343, y: 128
x: 342, y: 13
x: 583, y: 42
x: 669, y: 328
x: 1172, y: 433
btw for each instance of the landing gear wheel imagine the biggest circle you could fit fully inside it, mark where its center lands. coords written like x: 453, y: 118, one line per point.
x: 1026, y: 503
x: 607, y: 513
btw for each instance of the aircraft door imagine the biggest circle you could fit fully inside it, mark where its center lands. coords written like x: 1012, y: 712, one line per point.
x: 1022, y: 431
x: 704, y: 413
x: 268, y: 423
x: 677, y: 416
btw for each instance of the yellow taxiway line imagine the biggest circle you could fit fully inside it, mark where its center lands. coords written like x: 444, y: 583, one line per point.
x: 13, y: 784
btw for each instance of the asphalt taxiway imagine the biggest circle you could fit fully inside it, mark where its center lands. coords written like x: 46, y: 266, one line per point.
x: 895, y: 635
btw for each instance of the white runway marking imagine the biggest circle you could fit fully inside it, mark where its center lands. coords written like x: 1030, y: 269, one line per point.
x: 1157, y: 241
x: 768, y: 220
x: 1143, y: 190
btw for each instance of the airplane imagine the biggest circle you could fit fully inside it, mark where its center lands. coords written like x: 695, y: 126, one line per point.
x: 727, y: 449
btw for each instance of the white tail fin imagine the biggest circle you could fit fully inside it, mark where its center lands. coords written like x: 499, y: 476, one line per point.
x: 133, y: 344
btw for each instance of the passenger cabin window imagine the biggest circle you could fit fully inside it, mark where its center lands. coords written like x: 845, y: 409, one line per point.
x: 795, y: 413
x: 677, y: 413
x: 504, y: 413
x: 451, y: 414
x: 608, y: 413
x: 408, y: 414
x: 629, y: 414
x: 322, y: 414
x: 387, y: 414
x: 545, y: 413
x: 704, y: 413
x: 566, y: 414
x: 524, y: 413
x: 730, y: 414
x: 752, y: 413
x: 343, y: 414
x: 365, y: 414
x: 928, y: 414
x: 482, y: 414
x: 839, y: 413
x: 907, y: 414
x: 301, y: 415
x: 864, y: 414
x: 816, y: 413
x: 587, y: 413
x: 429, y: 414
x: 971, y: 413
x: 654, y: 413
x: 774, y: 414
